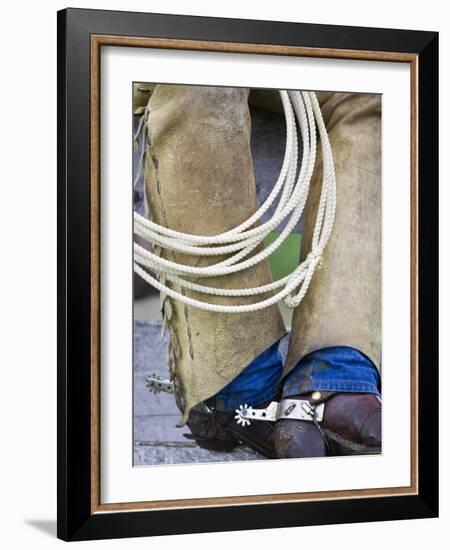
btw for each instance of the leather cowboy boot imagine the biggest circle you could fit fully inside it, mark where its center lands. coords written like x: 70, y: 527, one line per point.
x: 218, y: 431
x: 218, y: 422
x: 260, y: 436
x: 199, y: 180
x: 350, y: 424
x: 207, y: 432
x: 342, y: 308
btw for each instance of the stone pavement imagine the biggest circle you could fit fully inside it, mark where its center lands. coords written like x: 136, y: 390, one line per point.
x: 156, y: 438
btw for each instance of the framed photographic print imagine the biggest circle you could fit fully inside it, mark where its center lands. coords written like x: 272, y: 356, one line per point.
x: 247, y: 251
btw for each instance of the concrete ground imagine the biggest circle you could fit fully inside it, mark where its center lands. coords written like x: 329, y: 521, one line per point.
x: 156, y: 438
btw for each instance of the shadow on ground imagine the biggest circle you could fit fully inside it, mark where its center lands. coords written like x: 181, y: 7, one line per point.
x: 46, y: 526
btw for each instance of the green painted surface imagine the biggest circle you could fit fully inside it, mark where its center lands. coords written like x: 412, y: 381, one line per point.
x: 285, y: 258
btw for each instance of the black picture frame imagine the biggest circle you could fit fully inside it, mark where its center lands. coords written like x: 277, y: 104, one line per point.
x: 76, y: 518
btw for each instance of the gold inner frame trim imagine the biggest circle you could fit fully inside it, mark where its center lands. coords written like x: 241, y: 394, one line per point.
x: 97, y: 41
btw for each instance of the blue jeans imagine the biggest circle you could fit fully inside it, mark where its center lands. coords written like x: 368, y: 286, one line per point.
x: 340, y: 369
x: 258, y: 382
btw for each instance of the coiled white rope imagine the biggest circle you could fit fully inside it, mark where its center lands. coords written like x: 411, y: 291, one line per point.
x: 240, y: 241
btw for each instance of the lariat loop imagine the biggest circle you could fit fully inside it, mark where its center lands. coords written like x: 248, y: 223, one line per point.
x: 238, y: 244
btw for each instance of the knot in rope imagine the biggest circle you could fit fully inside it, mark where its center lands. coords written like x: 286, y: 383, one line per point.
x: 316, y: 257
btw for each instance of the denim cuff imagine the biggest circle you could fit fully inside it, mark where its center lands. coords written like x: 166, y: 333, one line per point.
x: 257, y: 383
x: 339, y: 369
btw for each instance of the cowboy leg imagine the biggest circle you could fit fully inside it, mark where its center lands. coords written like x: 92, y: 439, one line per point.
x: 199, y: 180
x: 334, y: 355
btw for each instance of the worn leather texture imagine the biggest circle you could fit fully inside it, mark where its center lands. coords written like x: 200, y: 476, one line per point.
x: 351, y: 425
x: 141, y: 95
x: 199, y: 179
x: 343, y: 303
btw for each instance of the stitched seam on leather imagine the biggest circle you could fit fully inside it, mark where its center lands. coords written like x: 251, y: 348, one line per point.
x: 174, y: 350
